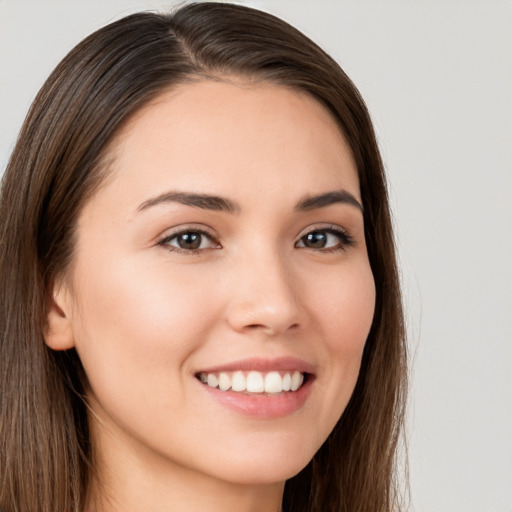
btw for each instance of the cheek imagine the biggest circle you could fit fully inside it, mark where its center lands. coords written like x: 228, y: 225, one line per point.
x: 346, y: 309
x: 138, y: 318
x: 344, y: 314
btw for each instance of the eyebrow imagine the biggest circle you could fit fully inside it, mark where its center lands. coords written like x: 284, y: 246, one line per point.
x: 222, y: 204
x: 322, y: 200
x: 204, y: 201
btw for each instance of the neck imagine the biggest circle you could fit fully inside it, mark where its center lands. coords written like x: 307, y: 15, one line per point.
x: 186, y: 496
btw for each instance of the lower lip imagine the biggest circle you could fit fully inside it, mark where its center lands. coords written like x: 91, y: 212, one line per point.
x: 263, y: 406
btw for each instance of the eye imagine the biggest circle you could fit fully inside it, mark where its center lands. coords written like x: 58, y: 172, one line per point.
x: 189, y: 240
x: 326, y: 239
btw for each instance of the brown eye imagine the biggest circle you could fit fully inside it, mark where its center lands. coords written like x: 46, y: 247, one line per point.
x: 189, y: 241
x: 326, y: 239
x: 315, y: 240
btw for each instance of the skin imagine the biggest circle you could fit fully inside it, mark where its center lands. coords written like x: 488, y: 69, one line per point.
x: 146, y: 317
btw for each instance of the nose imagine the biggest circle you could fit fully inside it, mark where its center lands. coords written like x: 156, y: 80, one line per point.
x: 265, y: 297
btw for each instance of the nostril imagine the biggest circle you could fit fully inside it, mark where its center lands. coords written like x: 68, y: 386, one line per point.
x: 268, y: 329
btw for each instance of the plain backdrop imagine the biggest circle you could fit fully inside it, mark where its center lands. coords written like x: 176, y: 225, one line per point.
x: 437, y: 76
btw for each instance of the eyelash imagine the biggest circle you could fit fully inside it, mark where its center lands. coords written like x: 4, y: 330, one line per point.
x: 165, y: 242
x: 346, y: 240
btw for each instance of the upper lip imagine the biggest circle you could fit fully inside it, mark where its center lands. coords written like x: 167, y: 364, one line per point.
x: 263, y: 365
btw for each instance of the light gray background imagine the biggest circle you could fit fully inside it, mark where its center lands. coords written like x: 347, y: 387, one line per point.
x: 437, y: 76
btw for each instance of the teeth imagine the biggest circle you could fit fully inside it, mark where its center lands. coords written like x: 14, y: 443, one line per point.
x: 224, y: 381
x: 273, y: 383
x: 212, y: 380
x: 287, y: 382
x: 297, y: 380
x: 238, y: 382
x: 254, y: 382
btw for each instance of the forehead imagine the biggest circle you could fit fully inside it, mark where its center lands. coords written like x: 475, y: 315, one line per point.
x: 208, y: 135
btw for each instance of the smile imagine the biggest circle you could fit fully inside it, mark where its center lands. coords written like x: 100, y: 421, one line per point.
x: 249, y: 382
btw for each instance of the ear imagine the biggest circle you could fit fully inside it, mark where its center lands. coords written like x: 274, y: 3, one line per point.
x: 58, y: 333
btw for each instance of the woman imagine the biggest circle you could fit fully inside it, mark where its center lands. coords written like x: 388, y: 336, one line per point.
x: 200, y: 302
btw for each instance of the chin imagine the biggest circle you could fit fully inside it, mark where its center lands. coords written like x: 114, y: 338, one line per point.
x: 265, y: 470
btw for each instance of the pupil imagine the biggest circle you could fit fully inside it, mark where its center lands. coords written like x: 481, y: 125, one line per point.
x: 189, y: 240
x: 317, y: 239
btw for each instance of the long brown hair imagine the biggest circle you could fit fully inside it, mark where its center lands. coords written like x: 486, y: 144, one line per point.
x: 60, y: 160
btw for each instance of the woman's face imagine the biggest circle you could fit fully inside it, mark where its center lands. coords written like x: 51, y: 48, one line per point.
x: 226, y: 246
